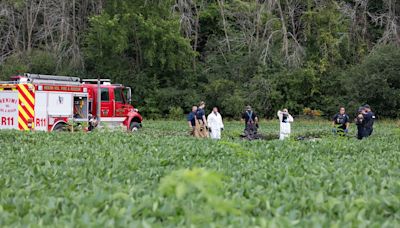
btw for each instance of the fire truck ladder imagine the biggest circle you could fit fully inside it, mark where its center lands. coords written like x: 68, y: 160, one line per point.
x: 52, y: 79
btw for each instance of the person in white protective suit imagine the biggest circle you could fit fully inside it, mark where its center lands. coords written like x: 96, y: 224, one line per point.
x: 215, y: 124
x: 284, y: 119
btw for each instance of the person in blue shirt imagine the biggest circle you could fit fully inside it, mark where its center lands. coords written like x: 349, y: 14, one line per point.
x: 369, y: 118
x: 341, y: 122
x: 191, y: 118
x: 201, y: 130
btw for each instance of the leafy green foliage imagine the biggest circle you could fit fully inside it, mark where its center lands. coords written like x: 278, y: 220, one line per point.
x: 175, y: 113
x: 376, y: 81
x: 139, y: 44
x: 160, y: 177
x: 37, y: 61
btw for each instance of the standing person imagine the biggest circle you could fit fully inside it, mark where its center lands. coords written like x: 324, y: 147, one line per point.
x: 251, y: 123
x: 341, y: 122
x: 284, y: 119
x: 92, y: 122
x: 201, y: 122
x: 191, y: 118
x: 215, y: 124
x: 369, y: 118
x: 360, y: 122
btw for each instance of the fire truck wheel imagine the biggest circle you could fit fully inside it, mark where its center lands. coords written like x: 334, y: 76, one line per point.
x: 60, y: 127
x: 134, y: 126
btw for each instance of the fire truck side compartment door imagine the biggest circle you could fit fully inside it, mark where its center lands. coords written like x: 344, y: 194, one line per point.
x: 107, y: 105
x: 119, y: 102
x: 60, y: 104
x: 80, y: 107
x: 41, y: 120
x: 8, y: 110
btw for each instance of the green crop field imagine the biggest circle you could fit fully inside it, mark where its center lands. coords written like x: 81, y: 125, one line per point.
x: 160, y: 177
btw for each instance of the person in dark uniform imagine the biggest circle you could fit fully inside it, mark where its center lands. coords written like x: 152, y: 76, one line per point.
x: 201, y: 121
x: 360, y: 122
x: 251, y: 122
x: 191, y: 118
x: 341, y: 122
x: 369, y: 118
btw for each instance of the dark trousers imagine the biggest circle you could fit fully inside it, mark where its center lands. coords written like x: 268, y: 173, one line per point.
x: 363, y: 132
x: 369, y: 131
x: 340, y: 131
x: 250, y: 131
x: 360, y: 132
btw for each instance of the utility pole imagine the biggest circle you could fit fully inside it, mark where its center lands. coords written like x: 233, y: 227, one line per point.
x: 98, y: 111
x: 98, y: 100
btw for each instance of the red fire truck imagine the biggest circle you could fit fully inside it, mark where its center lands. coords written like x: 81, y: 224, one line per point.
x: 52, y: 103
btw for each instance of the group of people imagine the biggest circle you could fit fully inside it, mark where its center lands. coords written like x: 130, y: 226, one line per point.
x: 211, y: 126
x: 202, y: 127
x: 251, y: 123
x: 364, y: 120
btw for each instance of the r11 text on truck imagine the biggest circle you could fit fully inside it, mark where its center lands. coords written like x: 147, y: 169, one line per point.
x: 50, y: 103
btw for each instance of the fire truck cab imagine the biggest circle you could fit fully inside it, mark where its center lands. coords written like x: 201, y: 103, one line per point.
x: 52, y: 103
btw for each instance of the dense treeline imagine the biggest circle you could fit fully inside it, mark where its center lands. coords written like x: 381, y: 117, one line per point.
x: 173, y: 53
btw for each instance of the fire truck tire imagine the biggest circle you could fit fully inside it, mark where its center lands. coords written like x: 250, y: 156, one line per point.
x: 134, y: 126
x: 60, y: 127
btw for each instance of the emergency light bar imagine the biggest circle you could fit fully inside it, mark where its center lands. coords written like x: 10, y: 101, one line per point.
x: 94, y: 81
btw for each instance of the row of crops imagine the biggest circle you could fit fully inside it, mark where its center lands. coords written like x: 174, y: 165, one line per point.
x: 162, y: 178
